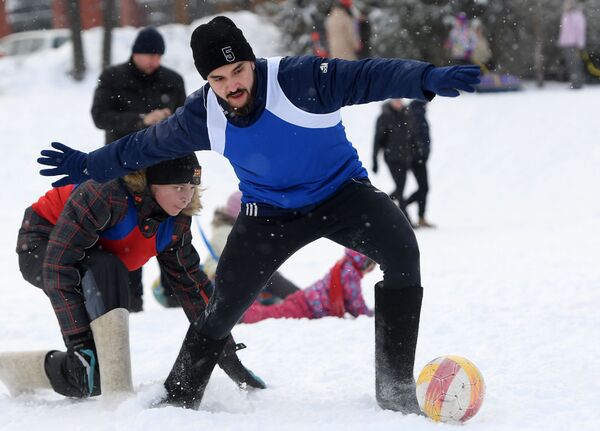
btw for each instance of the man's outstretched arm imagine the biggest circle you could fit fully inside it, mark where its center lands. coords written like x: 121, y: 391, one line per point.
x: 329, y: 84
x: 166, y: 140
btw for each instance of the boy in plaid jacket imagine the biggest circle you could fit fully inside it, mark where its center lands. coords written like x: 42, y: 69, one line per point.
x: 78, y: 243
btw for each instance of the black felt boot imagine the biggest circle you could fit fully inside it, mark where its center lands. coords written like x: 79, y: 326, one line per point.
x: 189, y: 376
x: 397, y: 314
x: 233, y: 367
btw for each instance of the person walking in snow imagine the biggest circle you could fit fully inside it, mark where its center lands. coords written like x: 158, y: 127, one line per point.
x: 571, y: 39
x: 420, y: 150
x: 78, y: 243
x: 337, y: 293
x: 341, y: 30
x: 402, y: 134
x: 278, y: 122
x: 394, y: 137
x: 132, y: 96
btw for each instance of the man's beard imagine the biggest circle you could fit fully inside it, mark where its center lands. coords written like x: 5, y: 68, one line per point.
x: 243, y: 110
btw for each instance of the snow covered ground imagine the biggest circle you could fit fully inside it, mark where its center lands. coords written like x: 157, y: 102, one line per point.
x: 511, y: 274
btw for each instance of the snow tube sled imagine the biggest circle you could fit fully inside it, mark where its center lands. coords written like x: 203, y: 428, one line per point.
x: 494, y: 82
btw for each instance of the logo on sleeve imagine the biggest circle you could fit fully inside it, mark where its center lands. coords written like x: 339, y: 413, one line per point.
x: 324, y: 67
x: 228, y: 54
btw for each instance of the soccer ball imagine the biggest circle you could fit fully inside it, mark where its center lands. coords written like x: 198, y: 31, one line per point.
x: 450, y: 389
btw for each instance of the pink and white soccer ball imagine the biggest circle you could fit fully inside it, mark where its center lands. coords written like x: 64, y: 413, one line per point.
x: 450, y: 389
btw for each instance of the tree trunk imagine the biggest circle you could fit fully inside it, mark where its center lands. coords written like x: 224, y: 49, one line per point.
x: 181, y: 12
x: 538, y: 51
x: 108, y: 15
x: 78, y: 71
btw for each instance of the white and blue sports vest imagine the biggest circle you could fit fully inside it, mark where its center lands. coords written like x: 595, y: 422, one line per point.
x: 288, y: 158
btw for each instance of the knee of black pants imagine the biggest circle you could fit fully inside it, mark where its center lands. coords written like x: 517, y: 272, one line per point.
x: 135, y: 283
x: 105, y: 283
x: 403, y: 267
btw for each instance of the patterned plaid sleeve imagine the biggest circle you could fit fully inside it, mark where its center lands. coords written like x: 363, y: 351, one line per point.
x: 180, y: 265
x: 92, y: 207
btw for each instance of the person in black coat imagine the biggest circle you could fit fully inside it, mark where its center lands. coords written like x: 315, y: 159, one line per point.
x: 132, y: 96
x: 421, y: 147
x: 402, y: 133
x: 394, y: 137
x: 136, y: 94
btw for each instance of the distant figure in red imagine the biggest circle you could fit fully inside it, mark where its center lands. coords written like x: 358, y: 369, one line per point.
x: 318, y: 48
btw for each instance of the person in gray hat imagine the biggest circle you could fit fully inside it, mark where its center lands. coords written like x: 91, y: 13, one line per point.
x: 278, y: 122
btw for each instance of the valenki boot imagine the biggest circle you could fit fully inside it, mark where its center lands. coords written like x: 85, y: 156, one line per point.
x: 397, y: 312
x: 23, y: 371
x: 111, y: 335
x: 191, y: 372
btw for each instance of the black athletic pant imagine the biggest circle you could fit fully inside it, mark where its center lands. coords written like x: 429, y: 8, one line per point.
x: 136, y: 291
x: 358, y: 216
x: 280, y: 287
x: 419, y: 170
x: 398, y: 171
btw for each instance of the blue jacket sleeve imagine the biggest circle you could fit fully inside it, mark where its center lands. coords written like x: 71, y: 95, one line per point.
x: 319, y: 85
x: 182, y: 133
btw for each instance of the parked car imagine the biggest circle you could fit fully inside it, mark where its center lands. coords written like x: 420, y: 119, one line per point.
x: 27, y: 15
x: 28, y: 42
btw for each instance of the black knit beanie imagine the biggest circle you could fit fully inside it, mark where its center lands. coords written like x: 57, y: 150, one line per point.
x: 217, y: 43
x: 178, y: 171
x: 149, y: 41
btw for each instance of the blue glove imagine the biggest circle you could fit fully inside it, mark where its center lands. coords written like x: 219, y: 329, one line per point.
x: 66, y: 161
x: 446, y: 81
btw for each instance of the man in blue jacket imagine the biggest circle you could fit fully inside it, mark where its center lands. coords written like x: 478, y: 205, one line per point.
x: 278, y: 122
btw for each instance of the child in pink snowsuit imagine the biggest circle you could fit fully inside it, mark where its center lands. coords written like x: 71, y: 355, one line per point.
x: 337, y: 293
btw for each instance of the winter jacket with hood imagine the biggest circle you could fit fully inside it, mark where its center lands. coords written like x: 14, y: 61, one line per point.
x: 394, y: 135
x: 349, y: 276
x: 402, y: 135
